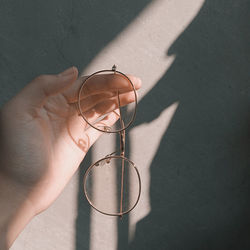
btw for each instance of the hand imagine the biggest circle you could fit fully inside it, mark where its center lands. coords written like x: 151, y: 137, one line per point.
x: 43, y: 139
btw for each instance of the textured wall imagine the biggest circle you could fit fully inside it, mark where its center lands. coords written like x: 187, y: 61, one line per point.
x: 191, y: 138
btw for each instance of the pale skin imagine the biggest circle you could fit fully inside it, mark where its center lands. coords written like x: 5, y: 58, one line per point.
x: 43, y: 140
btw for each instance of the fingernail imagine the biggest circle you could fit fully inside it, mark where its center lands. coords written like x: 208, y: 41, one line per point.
x: 68, y: 71
x: 139, y: 82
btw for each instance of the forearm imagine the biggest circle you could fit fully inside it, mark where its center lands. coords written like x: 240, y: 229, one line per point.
x: 15, y: 211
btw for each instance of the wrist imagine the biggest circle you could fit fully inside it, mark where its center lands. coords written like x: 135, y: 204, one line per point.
x: 15, y: 210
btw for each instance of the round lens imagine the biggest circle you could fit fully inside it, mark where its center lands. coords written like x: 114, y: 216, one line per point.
x: 112, y: 185
x: 106, y: 93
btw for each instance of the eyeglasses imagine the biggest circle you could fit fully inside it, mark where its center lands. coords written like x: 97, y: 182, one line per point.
x: 112, y: 185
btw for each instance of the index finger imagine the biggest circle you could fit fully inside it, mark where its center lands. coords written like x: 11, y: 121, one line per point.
x: 101, y: 83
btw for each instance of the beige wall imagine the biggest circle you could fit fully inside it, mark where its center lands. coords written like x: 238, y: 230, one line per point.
x: 188, y: 141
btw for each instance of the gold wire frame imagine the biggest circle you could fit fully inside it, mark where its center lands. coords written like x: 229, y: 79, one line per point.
x: 121, y: 132
x: 139, y: 182
x: 113, y: 70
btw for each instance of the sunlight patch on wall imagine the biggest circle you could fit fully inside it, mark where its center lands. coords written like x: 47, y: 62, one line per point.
x: 141, y: 49
x: 103, y: 228
x: 149, y: 136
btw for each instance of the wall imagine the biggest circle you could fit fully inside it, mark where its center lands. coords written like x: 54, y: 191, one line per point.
x: 191, y: 138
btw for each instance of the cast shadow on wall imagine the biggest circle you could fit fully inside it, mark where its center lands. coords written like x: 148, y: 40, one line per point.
x: 102, y: 22
x: 40, y: 38
x: 200, y: 175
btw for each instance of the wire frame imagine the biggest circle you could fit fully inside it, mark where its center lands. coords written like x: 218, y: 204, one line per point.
x: 121, y: 210
x: 81, y: 92
x: 112, y: 157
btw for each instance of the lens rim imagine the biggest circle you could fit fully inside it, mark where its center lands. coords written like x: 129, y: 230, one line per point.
x: 139, y: 181
x: 79, y: 101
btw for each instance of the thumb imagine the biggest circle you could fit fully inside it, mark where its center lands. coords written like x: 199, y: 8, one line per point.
x: 44, y: 86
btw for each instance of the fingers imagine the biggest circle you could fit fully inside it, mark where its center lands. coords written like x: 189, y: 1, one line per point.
x: 36, y: 92
x: 94, y: 134
x: 108, y: 106
x: 91, y: 101
x: 101, y: 83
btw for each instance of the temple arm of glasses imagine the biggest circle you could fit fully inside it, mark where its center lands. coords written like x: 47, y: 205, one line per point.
x: 122, y: 133
x: 122, y: 152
